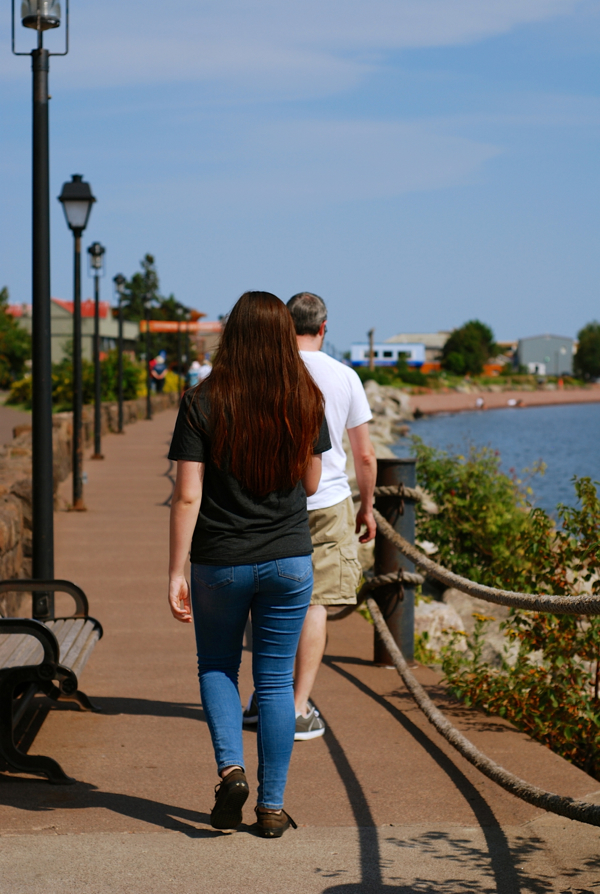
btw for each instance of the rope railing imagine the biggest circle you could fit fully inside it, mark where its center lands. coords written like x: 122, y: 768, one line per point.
x: 572, y: 808
x: 556, y: 605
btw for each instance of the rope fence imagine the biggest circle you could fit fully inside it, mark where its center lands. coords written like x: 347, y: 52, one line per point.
x: 571, y: 808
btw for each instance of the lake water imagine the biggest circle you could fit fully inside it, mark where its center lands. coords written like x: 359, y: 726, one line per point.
x: 566, y: 438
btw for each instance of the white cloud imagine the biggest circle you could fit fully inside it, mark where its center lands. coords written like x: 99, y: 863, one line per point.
x: 275, y: 47
x: 309, y: 164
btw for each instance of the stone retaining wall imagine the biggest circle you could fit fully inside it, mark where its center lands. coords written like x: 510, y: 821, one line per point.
x: 15, y: 481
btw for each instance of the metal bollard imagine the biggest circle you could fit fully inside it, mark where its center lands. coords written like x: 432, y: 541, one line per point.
x: 398, y: 610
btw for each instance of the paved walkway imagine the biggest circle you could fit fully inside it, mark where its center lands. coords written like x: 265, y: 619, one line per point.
x: 382, y: 803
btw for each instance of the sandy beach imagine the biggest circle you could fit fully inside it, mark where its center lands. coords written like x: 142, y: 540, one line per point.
x: 454, y: 402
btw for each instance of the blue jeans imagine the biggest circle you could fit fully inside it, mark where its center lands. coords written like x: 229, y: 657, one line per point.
x: 277, y: 595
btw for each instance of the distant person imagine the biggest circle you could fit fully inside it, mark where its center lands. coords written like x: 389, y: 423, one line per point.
x: 248, y: 443
x: 333, y: 526
x: 158, y: 371
x: 193, y: 374
x: 205, y: 368
x: 480, y: 403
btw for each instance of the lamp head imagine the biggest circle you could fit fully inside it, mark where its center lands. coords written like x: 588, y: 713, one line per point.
x: 77, y: 200
x: 96, y: 253
x: 41, y: 15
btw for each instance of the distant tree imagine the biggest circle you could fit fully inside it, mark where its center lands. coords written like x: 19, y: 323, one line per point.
x: 146, y: 282
x: 587, y: 359
x: 468, y: 348
x: 15, y: 344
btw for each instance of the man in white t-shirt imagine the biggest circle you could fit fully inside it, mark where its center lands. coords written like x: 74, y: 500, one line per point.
x: 333, y: 525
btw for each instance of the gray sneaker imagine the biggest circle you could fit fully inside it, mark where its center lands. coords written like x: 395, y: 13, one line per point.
x: 309, y: 727
x: 250, y: 715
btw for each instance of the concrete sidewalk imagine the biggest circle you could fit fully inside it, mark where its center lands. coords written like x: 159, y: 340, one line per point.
x: 382, y: 803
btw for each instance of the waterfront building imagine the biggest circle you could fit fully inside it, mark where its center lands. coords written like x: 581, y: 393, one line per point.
x: 385, y: 354
x: 61, y: 322
x: 546, y: 355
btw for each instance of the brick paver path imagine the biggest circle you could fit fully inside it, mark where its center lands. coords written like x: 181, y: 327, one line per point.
x: 383, y: 804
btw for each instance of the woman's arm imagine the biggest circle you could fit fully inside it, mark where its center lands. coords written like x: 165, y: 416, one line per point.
x: 312, y: 476
x: 185, y: 506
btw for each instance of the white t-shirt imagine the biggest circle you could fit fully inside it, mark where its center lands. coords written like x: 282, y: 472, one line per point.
x: 346, y: 406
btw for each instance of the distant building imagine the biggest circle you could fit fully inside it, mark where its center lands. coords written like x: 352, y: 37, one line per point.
x: 433, y: 342
x: 385, y: 354
x: 61, y: 324
x: 546, y: 355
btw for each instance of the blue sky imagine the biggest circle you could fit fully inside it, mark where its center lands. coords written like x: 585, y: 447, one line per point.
x: 416, y: 162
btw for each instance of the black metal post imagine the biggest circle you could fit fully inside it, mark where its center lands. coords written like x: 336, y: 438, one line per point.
x: 187, y: 349
x: 396, y: 601
x: 179, y: 385
x: 120, y: 366
x: 148, y: 373
x: 42, y: 475
x: 97, y: 372
x: 78, y: 504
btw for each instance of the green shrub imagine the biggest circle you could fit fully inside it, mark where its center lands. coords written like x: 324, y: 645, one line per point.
x: 551, y: 690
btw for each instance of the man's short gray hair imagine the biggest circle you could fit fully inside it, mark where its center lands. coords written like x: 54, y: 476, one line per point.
x: 308, y: 313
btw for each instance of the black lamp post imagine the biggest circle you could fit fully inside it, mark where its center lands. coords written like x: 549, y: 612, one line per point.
x: 77, y: 201
x: 119, y: 281
x: 96, y: 253
x: 41, y: 15
x: 148, y: 297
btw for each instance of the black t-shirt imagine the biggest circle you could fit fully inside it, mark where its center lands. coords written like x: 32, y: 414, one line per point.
x: 234, y: 527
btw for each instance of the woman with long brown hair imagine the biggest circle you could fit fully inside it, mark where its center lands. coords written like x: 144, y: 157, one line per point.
x: 247, y: 444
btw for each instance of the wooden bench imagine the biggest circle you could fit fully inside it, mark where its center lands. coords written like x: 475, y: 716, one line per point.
x: 42, y: 656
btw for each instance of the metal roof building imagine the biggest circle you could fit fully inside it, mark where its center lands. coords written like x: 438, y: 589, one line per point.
x: 546, y: 355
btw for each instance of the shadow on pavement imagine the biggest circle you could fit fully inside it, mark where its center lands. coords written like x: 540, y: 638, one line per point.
x: 498, y: 860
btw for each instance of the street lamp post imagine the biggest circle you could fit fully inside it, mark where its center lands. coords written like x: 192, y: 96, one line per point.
x: 147, y: 313
x: 77, y: 200
x: 96, y: 253
x: 119, y: 281
x: 41, y: 15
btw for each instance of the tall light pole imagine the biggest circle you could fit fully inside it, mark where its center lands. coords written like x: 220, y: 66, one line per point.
x: 77, y: 200
x: 96, y: 253
x: 41, y: 15
x: 147, y: 314
x: 119, y: 281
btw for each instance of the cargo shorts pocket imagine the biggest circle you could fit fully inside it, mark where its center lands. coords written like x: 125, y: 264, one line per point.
x: 213, y: 577
x: 350, y: 572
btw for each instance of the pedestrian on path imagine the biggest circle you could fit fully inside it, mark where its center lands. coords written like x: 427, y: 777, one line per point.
x: 248, y: 443
x: 333, y: 526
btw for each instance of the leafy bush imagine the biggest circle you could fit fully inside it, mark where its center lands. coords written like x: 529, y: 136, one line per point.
x: 468, y: 348
x: 587, y: 359
x: 62, y: 382
x: 479, y: 532
x: 552, y: 690
x: 487, y: 532
x: 15, y: 345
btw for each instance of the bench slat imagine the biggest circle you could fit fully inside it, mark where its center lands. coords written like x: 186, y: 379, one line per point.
x: 70, y: 657
x: 67, y: 636
x: 11, y: 641
x: 85, y: 653
x: 28, y: 651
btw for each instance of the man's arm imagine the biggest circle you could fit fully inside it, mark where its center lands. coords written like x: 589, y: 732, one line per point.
x: 365, y: 465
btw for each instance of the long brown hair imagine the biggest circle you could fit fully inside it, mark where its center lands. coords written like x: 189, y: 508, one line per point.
x: 265, y: 411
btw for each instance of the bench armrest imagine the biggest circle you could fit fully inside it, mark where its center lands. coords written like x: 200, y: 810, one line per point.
x: 53, y: 586
x: 30, y: 627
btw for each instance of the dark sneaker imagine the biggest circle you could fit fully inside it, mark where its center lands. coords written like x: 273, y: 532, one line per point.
x: 250, y: 715
x: 309, y: 727
x: 231, y: 794
x: 272, y: 824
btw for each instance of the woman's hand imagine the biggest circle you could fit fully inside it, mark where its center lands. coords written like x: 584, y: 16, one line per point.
x: 179, y: 599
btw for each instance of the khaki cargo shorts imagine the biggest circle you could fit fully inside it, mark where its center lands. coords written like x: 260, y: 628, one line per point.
x: 336, y: 568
